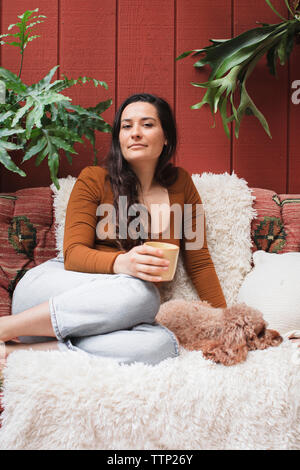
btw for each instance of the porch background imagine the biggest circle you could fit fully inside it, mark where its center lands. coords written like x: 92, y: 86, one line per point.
x: 132, y: 45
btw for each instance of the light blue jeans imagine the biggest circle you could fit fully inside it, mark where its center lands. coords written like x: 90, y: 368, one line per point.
x: 108, y: 315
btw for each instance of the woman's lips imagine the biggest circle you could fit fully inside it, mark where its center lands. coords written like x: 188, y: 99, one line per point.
x: 136, y: 146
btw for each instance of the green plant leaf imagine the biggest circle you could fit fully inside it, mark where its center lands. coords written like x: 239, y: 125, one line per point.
x: 42, y: 155
x: 289, y: 8
x: 184, y: 54
x: 44, y: 82
x: 6, y: 115
x: 64, y: 133
x: 34, y: 149
x: 271, y: 60
x: 9, y: 132
x: 62, y: 144
x: 5, y: 158
x: 225, y: 55
x: 275, y: 11
x: 247, y: 103
x: 67, y: 83
x: 53, y: 163
x: 20, y: 113
x: 12, y: 81
x: 101, y: 107
x: 223, y: 112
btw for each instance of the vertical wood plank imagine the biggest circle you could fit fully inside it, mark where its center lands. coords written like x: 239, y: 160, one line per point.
x: 294, y: 124
x: 257, y: 158
x: 87, y: 48
x: 39, y: 57
x: 202, y: 148
x: 1, y: 29
x: 146, y: 48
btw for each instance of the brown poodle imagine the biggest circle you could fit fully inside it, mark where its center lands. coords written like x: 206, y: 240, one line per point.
x: 224, y: 335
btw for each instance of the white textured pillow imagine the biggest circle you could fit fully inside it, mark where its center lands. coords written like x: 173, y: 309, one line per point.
x: 227, y: 202
x: 60, y: 202
x: 228, y: 207
x: 273, y: 287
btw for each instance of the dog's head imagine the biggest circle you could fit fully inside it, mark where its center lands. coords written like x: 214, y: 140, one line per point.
x: 244, y: 330
x: 263, y: 339
x: 247, y: 324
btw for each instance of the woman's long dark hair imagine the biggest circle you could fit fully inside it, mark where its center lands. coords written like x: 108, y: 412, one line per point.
x: 123, y: 180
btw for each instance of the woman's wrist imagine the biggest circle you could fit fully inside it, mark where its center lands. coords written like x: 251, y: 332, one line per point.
x: 117, y: 269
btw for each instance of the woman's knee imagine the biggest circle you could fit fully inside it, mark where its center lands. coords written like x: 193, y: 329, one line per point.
x: 146, y: 343
x: 162, y: 344
x: 144, y: 300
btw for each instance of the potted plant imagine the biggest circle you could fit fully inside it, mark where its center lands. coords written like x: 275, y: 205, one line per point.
x: 233, y: 60
x: 38, y: 118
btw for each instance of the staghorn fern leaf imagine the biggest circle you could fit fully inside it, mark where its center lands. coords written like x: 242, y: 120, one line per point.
x: 233, y: 60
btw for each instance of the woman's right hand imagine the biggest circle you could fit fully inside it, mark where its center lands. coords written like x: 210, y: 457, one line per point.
x: 143, y: 261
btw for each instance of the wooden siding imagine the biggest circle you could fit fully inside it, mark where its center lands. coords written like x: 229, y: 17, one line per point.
x: 132, y: 44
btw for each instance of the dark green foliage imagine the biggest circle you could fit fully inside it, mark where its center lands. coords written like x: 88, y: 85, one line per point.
x: 38, y: 118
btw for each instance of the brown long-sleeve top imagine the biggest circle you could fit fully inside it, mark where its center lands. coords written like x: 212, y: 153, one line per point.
x: 86, y: 251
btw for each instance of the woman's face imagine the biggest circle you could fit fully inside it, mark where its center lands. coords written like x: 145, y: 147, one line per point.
x: 141, y: 134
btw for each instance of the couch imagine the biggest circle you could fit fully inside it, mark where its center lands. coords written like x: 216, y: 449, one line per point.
x: 28, y: 231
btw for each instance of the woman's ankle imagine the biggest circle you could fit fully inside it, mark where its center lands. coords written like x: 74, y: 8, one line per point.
x: 5, y: 334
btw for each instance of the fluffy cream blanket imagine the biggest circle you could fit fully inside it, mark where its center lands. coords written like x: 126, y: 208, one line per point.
x: 68, y: 400
x: 56, y: 400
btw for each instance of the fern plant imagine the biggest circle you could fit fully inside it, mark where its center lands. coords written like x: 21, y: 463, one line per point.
x: 38, y: 118
x: 233, y: 60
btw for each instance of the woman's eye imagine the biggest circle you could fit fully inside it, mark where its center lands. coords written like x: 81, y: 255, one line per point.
x: 148, y: 125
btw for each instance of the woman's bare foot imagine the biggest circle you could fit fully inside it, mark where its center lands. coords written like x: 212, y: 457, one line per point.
x: 7, y: 348
x: 35, y: 321
x: 11, y: 347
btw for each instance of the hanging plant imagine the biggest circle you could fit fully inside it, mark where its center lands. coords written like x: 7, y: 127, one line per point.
x: 38, y: 118
x: 233, y: 60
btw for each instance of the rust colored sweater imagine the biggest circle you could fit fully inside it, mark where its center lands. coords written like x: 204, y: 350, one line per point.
x: 85, y: 252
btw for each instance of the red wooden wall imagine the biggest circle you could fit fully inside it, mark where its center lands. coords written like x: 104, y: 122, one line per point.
x: 131, y: 44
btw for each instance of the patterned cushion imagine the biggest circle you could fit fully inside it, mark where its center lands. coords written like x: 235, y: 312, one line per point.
x: 276, y: 228
x: 290, y: 212
x: 27, y: 237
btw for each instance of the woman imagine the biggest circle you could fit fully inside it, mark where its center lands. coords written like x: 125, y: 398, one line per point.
x: 104, y: 298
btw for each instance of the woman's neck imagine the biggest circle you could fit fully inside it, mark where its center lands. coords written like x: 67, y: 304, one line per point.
x: 146, y: 178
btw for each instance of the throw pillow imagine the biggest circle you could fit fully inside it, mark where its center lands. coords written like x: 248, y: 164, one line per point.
x: 228, y: 207
x: 276, y: 227
x: 60, y: 202
x: 27, y: 237
x: 273, y: 288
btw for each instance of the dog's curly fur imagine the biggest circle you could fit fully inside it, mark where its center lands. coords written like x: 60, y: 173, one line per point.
x: 223, y: 335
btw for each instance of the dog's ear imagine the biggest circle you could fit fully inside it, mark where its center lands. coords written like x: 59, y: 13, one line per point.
x: 267, y: 338
x: 217, y: 351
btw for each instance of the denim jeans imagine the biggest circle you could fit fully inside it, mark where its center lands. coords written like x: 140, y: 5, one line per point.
x: 108, y: 315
